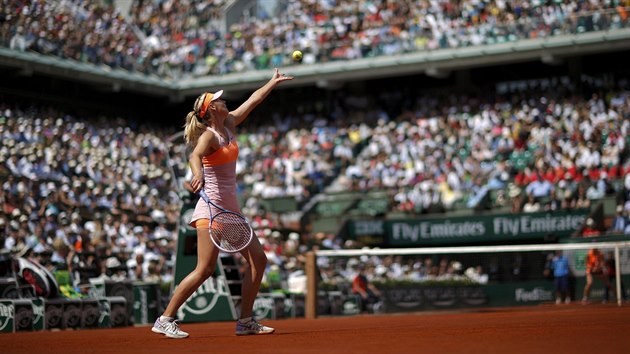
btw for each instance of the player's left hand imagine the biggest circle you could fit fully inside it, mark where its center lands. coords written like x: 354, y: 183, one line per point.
x: 278, y: 77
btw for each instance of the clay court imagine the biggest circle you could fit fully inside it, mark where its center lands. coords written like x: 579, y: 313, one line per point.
x: 541, y: 329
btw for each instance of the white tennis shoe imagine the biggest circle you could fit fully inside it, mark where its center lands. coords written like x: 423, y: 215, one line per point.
x: 168, y: 328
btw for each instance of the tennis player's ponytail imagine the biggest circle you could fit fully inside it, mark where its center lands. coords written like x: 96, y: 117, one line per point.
x: 194, y: 126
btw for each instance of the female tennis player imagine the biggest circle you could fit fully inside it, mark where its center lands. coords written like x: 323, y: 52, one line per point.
x: 210, y: 130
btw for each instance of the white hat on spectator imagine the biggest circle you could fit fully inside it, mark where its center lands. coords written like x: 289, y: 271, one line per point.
x: 152, y: 257
x: 290, y: 264
x: 112, y: 262
x: 131, y: 263
x: 158, y: 214
x: 75, y: 228
x: 39, y: 248
x: 90, y: 226
x: 352, y: 262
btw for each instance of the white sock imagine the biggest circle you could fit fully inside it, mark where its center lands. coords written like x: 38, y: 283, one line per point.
x: 245, y: 320
x: 166, y: 319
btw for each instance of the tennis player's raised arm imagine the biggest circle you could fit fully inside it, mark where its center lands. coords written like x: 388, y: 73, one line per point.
x: 241, y: 113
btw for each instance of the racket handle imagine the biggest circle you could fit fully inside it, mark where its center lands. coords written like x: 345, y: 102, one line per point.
x: 203, y: 196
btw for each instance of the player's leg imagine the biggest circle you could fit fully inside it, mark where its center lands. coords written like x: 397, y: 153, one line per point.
x: 207, y: 255
x: 256, y: 263
x: 587, y: 287
x: 607, y: 287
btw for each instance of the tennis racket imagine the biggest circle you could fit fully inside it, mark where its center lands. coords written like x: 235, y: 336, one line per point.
x: 229, y: 231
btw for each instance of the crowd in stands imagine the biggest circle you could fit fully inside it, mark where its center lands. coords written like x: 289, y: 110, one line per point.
x: 178, y: 38
x: 78, y: 190
x: 542, y: 148
x: 99, y: 195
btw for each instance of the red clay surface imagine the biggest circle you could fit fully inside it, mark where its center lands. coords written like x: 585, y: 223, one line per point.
x: 542, y: 329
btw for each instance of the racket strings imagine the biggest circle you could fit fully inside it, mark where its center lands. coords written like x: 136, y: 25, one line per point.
x: 230, y: 231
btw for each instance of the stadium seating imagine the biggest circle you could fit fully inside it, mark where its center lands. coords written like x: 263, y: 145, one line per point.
x: 104, y: 195
x: 188, y: 41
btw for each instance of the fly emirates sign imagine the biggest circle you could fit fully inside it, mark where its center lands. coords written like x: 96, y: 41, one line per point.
x: 484, y: 228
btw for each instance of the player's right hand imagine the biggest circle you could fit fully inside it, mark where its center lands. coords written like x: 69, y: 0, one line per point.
x: 196, y: 183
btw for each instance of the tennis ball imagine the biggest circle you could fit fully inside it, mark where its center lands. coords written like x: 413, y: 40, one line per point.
x: 297, y: 56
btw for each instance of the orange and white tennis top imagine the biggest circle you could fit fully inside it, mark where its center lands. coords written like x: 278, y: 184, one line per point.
x: 594, y: 262
x: 219, y: 174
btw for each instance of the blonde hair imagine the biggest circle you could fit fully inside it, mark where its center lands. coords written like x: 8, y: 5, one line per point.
x: 194, y: 126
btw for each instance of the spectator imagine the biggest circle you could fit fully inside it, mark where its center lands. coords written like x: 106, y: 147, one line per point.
x: 531, y: 205
x: 362, y: 286
x: 554, y: 203
x: 589, y: 229
x: 477, y: 274
x: 561, y: 273
x: 619, y: 222
x: 594, y: 192
x: 582, y: 201
x: 18, y: 42
x: 568, y: 200
x: 539, y: 187
x: 154, y: 269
